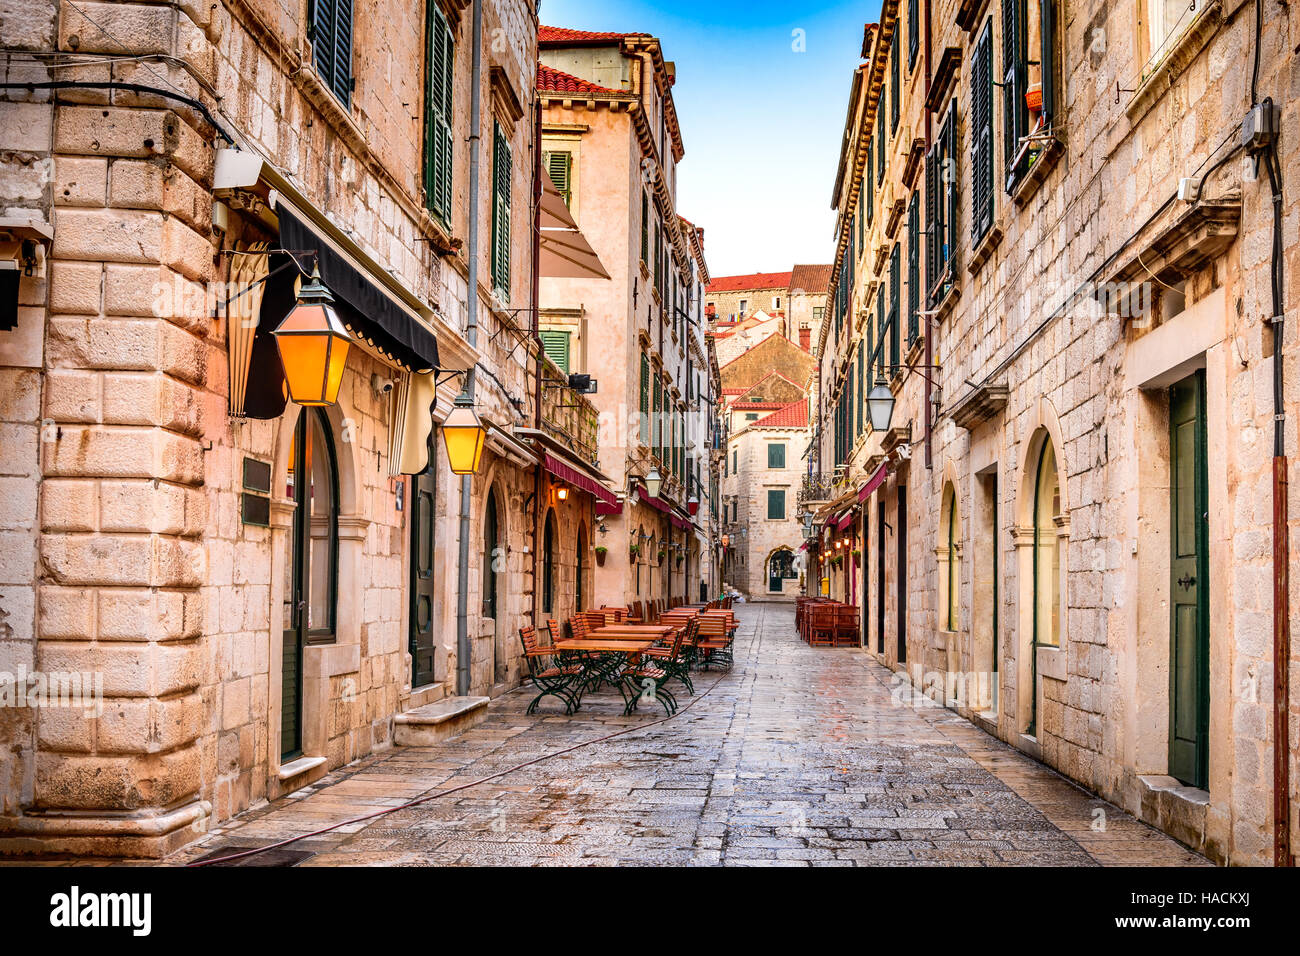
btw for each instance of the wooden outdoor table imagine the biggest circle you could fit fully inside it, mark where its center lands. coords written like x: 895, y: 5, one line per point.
x: 632, y: 632
x: 598, y: 646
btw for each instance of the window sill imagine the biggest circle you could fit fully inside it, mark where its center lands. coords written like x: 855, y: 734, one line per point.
x: 1033, y: 177
x: 983, y: 250
x: 1186, y: 48
x: 948, y: 302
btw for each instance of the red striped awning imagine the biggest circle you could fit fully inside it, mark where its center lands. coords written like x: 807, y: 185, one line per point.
x: 845, y: 521
x: 609, y: 508
x: 566, y: 472
x: 876, y: 481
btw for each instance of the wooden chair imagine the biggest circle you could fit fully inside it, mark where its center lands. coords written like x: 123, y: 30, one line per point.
x: 658, y: 670
x: 847, y: 633
x: 714, y: 640
x: 548, y: 674
x: 821, y: 625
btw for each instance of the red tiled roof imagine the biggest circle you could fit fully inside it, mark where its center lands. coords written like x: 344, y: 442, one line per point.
x: 755, y: 280
x: 563, y: 35
x: 555, y: 81
x: 812, y: 279
x: 794, y: 415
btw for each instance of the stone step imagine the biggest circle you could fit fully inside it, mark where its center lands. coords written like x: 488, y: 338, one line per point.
x: 433, y: 723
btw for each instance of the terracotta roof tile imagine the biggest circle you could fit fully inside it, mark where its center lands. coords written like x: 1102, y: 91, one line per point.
x: 563, y: 35
x: 794, y: 415
x: 755, y: 280
x: 813, y: 279
x: 555, y: 81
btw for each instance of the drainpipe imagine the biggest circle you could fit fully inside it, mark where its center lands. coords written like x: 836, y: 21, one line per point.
x: 929, y: 325
x: 537, y: 338
x: 471, y: 335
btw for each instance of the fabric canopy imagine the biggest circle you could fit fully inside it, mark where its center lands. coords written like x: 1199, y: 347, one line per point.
x: 845, y: 521
x: 876, y: 481
x: 364, y: 307
x: 608, y: 508
x: 566, y: 472
x: 565, y: 252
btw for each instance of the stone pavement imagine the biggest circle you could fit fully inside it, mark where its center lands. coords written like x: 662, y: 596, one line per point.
x: 795, y: 757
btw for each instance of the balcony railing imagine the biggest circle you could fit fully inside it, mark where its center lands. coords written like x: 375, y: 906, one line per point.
x: 570, y: 418
x: 818, y: 487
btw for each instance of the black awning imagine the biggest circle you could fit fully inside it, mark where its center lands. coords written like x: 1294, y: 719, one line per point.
x: 362, y: 305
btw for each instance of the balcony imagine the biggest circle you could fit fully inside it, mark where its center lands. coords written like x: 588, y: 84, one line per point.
x: 569, y: 417
x: 818, y: 487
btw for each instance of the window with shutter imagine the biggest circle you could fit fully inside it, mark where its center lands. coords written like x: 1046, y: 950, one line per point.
x: 881, y: 319
x: 913, y: 33
x: 866, y: 184
x: 331, y: 45
x: 645, y: 227
x: 645, y: 399
x: 556, y: 346
x: 931, y: 217
x: 776, y: 504
x: 880, y: 137
x: 501, y: 173
x: 776, y: 455
x: 941, y: 207
x: 559, y: 166
x: 439, y: 60
x: 981, y: 112
x: 913, y: 269
x: 893, y: 82
x: 1015, y: 112
x: 857, y: 410
x: 895, y: 277
x: 658, y: 419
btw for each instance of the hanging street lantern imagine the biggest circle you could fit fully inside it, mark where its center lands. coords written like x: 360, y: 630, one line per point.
x: 880, y: 405
x: 464, y: 436
x: 692, y: 505
x: 562, y: 493
x: 653, y: 483
x: 313, y: 346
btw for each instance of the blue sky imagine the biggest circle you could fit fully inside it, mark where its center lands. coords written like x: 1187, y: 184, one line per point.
x: 761, y: 122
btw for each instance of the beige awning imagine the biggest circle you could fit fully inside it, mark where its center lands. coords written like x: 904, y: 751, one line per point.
x: 565, y: 252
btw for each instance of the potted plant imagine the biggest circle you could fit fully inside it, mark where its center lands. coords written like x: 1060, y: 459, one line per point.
x: 601, y: 551
x: 857, y: 554
x: 661, y: 554
x: 633, y: 550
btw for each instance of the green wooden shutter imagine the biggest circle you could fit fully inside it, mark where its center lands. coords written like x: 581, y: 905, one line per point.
x: 645, y: 399
x: 330, y: 33
x: 559, y: 166
x: 776, y: 455
x: 880, y: 138
x: 439, y: 58
x: 881, y: 319
x: 658, y: 423
x: 954, y: 185
x: 857, y: 411
x: 775, y: 504
x: 645, y: 227
x: 931, y: 226
x: 1047, y: 57
x: 343, y: 50
x: 913, y: 33
x: 866, y: 184
x: 501, y: 171
x: 556, y: 346
x: 895, y: 279
x: 1015, y: 111
x: 894, y: 82
x: 981, y: 95
x: 913, y: 269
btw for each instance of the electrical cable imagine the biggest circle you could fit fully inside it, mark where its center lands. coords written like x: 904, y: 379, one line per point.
x: 128, y: 88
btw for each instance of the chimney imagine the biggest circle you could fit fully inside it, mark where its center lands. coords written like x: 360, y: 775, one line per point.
x: 805, y: 338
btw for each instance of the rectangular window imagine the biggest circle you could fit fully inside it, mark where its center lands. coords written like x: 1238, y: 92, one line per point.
x: 501, y: 171
x: 941, y: 207
x: 776, y: 455
x: 331, y: 45
x: 559, y: 166
x: 881, y: 319
x: 894, y: 83
x: 556, y: 346
x: 439, y: 59
x: 866, y: 183
x: 658, y: 418
x: 751, y: 416
x: 735, y: 461
x: 913, y: 269
x: 880, y: 137
x: 645, y: 399
x: 776, y: 504
x: 857, y: 412
x: 895, y: 279
x: 913, y: 33
x: 981, y: 94
x: 645, y: 227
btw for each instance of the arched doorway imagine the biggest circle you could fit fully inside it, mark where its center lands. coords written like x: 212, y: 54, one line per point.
x: 779, y: 567
x: 311, y: 573
x: 548, y: 564
x: 581, y: 565
x: 491, y: 556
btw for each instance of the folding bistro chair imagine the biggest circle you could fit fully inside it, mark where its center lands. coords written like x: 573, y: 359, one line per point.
x: 551, y: 676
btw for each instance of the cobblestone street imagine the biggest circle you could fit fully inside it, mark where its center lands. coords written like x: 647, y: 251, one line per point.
x: 795, y: 757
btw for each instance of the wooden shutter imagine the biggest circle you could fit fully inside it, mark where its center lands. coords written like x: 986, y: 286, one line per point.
x: 501, y: 172
x: 343, y: 50
x: 645, y: 227
x: 556, y: 346
x: 439, y: 57
x: 895, y: 277
x: 559, y: 166
x: 1047, y: 57
x: 1015, y: 111
x: 880, y: 138
x: 881, y: 318
x: 645, y: 399
x: 866, y: 184
x: 862, y: 390
x: 931, y: 225
x: 913, y: 33
x: 981, y: 139
x: 322, y: 40
x: 953, y: 190
x: 913, y: 269
x: 894, y: 82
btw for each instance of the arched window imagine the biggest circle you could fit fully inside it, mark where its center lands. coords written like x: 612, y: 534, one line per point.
x: 1047, y: 556
x: 548, y: 564
x: 491, y: 555
x: 954, y: 564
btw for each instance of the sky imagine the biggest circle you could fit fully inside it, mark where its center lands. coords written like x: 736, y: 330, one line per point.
x: 761, y: 120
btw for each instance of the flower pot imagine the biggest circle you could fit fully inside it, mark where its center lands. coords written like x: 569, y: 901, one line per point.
x: 600, y: 557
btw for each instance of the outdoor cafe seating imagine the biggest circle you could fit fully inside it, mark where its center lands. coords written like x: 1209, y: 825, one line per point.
x: 822, y: 622
x: 638, y: 650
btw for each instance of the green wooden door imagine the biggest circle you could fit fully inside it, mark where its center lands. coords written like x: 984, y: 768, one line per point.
x: 421, y: 617
x: 1189, y: 626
